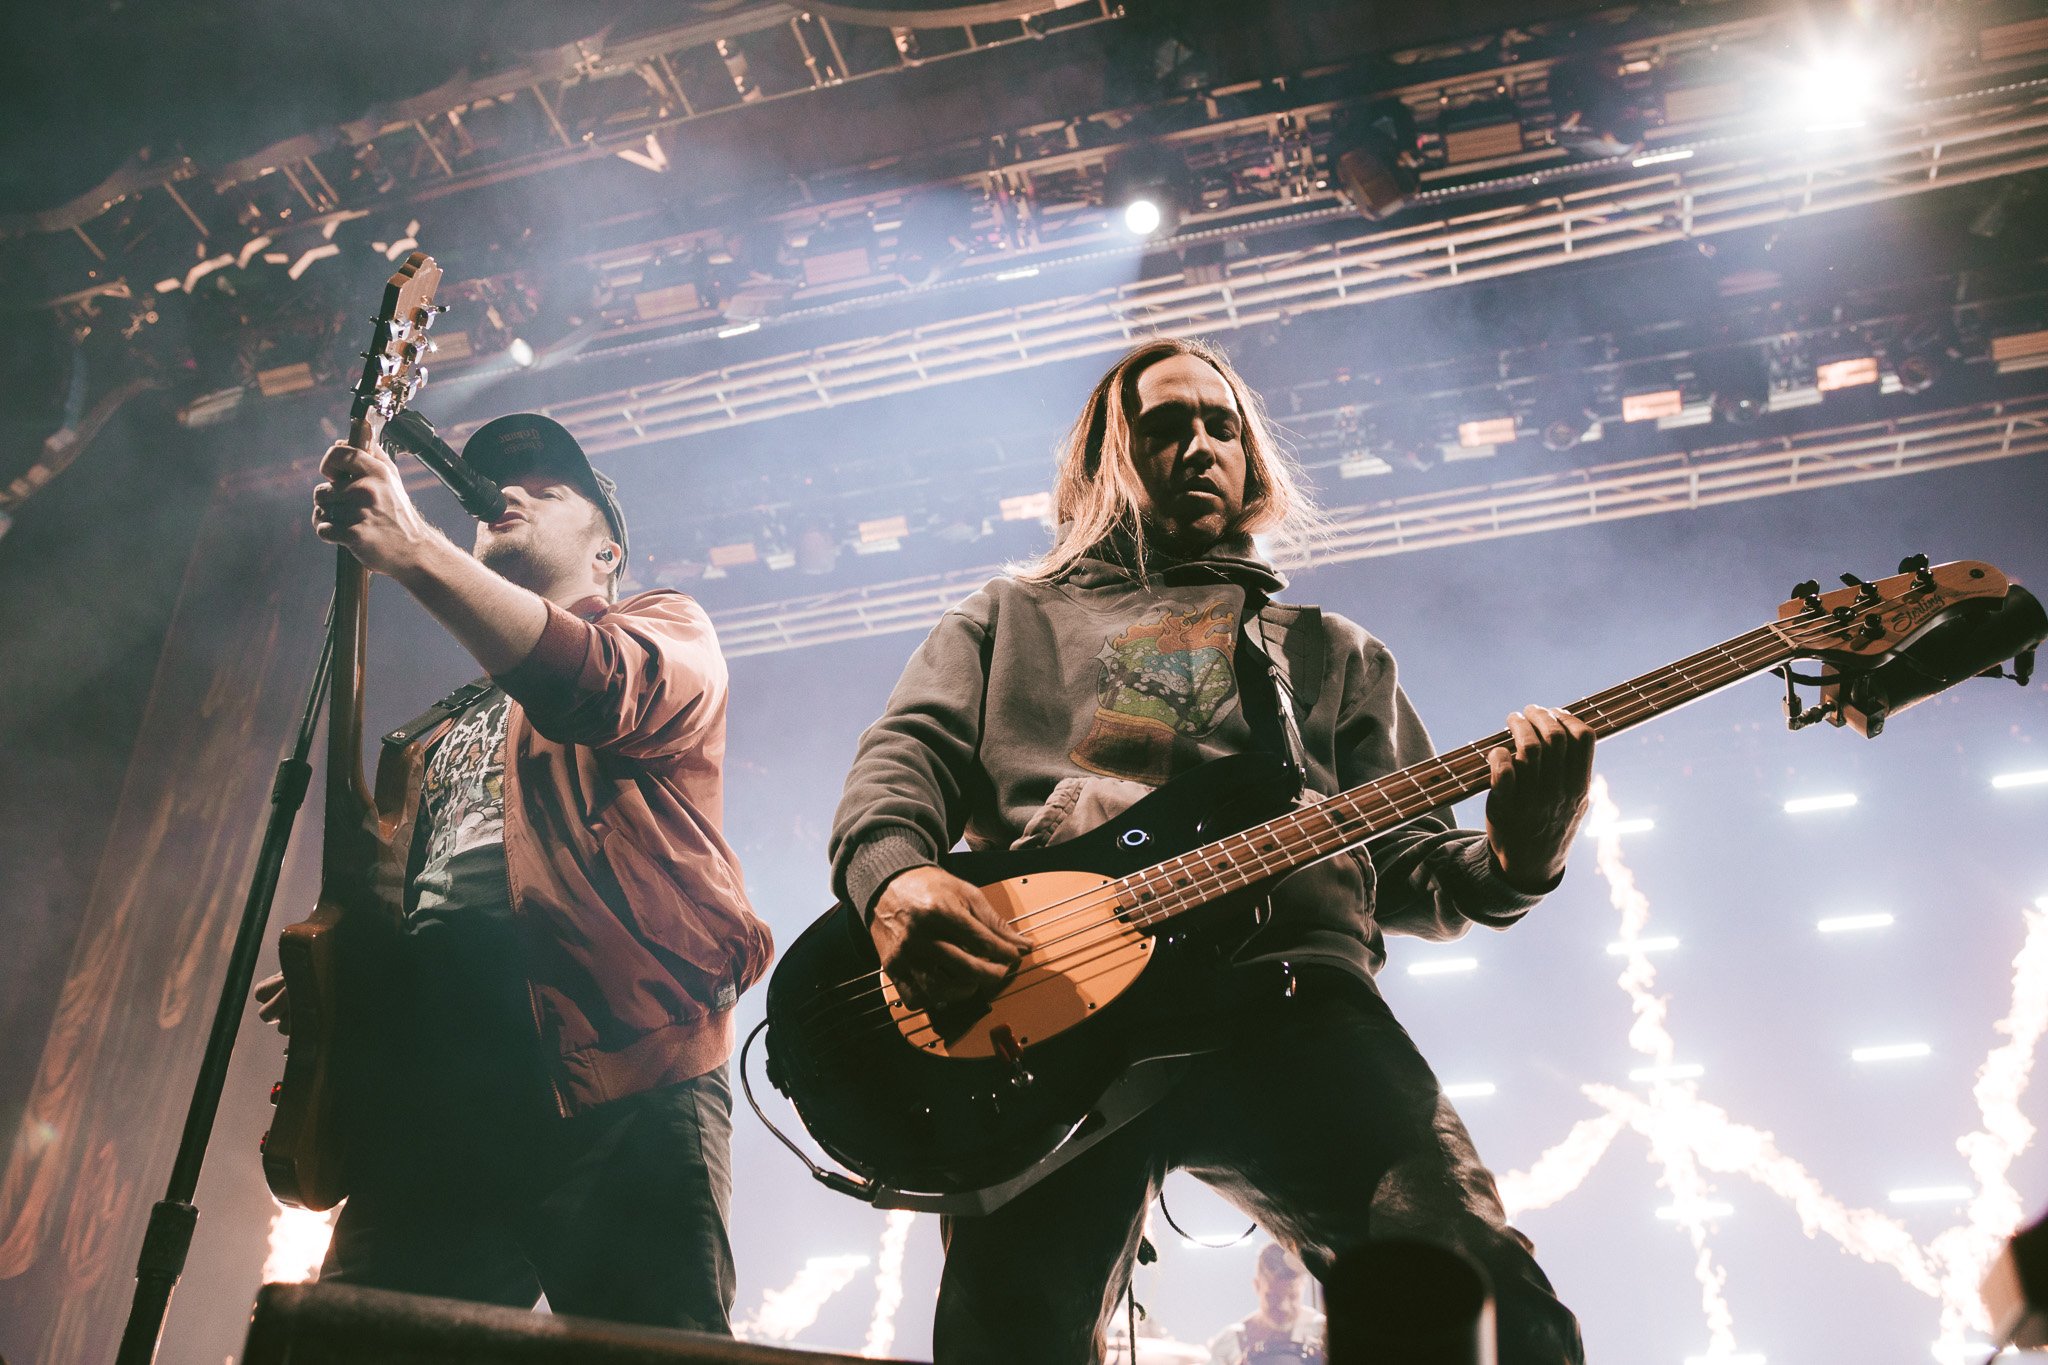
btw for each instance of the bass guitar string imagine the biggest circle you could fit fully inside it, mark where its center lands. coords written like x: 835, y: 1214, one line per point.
x: 1726, y: 667
x: 1053, y: 969
x: 1634, y: 693
x: 1643, y: 698
x: 1207, y: 889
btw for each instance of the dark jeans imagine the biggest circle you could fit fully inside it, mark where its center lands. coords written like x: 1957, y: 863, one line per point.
x: 471, y: 1187
x: 1320, y: 1120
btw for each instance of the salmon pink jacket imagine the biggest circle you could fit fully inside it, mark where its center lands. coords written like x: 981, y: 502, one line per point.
x: 633, y: 919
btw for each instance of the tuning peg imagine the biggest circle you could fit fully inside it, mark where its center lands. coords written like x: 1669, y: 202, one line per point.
x: 1916, y: 565
x: 1865, y: 592
x: 1809, y: 593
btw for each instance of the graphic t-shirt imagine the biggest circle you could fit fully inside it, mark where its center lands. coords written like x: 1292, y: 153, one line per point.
x: 462, y: 874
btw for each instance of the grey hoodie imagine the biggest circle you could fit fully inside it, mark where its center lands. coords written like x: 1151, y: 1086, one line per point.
x: 1035, y: 711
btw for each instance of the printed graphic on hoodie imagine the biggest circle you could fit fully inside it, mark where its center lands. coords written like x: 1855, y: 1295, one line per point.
x: 1165, y: 681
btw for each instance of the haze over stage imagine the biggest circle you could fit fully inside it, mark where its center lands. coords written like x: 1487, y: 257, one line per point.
x: 1595, y: 331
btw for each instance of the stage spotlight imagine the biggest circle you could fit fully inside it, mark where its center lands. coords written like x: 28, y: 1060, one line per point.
x: 817, y: 552
x: 1143, y: 187
x: 1835, y: 91
x: 1486, y: 432
x: 1142, y: 216
x: 520, y: 353
x: 1919, y: 356
x: 1562, y: 420
x: 1846, y: 372
x: 1372, y: 159
x: 1741, y: 387
x: 1594, y: 113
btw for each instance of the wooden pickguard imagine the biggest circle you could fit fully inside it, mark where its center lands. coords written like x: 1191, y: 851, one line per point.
x: 1082, y: 956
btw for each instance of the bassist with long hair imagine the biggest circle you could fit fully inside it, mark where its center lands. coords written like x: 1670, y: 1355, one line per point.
x: 1146, y: 642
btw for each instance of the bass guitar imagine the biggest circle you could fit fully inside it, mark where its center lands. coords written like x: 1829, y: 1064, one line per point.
x: 1133, y: 926
x: 335, y: 961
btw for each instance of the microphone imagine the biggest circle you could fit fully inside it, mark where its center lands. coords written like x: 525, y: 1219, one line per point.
x: 478, y: 495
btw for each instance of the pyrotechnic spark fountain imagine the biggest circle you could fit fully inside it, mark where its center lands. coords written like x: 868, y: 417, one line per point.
x: 786, y: 1312
x: 889, y: 1283
x: 1563, y: 1168
x: 1691, y: 1193
x: 1687, y: 1136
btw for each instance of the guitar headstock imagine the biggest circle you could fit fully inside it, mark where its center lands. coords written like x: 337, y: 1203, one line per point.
x: 394, y: 367
x: 1887, y: 645
x: 1865, y: 622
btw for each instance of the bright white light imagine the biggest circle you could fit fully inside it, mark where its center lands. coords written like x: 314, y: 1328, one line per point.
x: 1443, y: 966
x: 520, y: 352
x: 1725, y: 1360
x: 298, y: 1244
x: 1469, y: 1090
x: 1658, y: 158
x: 1673, y: 1213
x: 1636, y: 826
x: 2037, y: 777
x: 1834, y: 91
x: 1890, y: 1052
x: 1677, y: 1071
x: 1022, y: 272
x: 1622, y: 947
x: 1844, y: 924
x: 739, y: 329
x: 1141, y: 217
x: 1932, y: 1194
x: 1800, y: 805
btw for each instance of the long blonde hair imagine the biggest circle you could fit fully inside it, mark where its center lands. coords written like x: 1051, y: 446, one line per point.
x: 1098, y: 493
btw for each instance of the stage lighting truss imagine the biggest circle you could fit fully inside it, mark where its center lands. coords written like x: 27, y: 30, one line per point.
x: 1477, y: 117
x: 1548, y: 502
x: 1722, y: 190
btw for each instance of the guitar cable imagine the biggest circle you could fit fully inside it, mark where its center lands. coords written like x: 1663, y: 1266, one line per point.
x: 831, y: 1180
x: 1192, y: 1240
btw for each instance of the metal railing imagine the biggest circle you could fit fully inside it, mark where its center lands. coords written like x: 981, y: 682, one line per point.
x: 1634, y: 488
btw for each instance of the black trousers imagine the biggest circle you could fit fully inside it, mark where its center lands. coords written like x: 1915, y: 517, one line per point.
x: 1320, y: 1120
x: 618, y: 1213
x: 470, y: 1186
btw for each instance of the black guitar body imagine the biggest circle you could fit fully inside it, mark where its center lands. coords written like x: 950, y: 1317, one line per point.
x: 963, y: 1135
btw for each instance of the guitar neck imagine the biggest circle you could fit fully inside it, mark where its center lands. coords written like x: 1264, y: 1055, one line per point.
x: 1269, y: 851
x: 393, y: 370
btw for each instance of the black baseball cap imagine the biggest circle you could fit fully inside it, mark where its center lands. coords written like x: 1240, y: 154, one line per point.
x: 527, y: 443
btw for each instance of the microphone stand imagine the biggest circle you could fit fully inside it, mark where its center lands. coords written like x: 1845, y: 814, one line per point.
x: 172, y: 1220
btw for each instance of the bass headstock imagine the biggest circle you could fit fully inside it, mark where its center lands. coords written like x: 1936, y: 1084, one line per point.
x: 1865, y: 622
x: 1886, y: 645
x: 394, y: 367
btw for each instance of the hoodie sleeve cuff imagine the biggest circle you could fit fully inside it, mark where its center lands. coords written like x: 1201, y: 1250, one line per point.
x: 875, y: 860
x: 1475, y: 884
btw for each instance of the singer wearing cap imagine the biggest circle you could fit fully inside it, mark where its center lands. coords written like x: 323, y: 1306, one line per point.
x: 576, y: 928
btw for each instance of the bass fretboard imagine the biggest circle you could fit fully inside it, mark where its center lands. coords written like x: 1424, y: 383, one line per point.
x: 1269, y: 851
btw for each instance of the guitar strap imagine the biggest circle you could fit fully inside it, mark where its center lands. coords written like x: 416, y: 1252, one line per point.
x: 1266, y: 694
x: 442, y: 711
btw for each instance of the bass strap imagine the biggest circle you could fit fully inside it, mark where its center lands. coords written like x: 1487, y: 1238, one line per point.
x: 1265, y: 694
